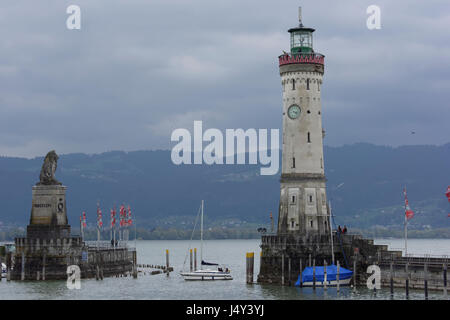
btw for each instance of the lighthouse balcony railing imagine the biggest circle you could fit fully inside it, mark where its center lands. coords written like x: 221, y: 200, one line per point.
x: 301, y: 58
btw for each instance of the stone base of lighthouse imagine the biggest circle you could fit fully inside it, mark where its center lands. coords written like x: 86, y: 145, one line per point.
x: 283, y: 256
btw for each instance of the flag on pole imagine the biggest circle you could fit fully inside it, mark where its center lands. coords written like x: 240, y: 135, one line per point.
x: 83, y: 219
x: 129, y: 220
x: 448, y: 197
x: 408, y: 212
x: 99, y: 217
x: 122, y: 216
x: 113, y: 217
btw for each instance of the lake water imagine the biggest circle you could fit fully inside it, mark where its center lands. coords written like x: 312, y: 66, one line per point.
x: 229, y: 252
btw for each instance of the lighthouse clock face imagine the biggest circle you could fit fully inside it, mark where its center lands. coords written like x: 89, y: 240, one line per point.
x: 294, y: 111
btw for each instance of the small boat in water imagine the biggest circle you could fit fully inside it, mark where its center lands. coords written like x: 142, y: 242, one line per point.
x: 207, y: 273
x: 307, y: 277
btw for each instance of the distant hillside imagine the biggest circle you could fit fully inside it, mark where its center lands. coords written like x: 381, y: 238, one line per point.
x: 164, y: 195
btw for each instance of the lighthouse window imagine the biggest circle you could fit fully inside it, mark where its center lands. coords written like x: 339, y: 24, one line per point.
x: 309, y: 137
x: 310, y: 198
x: 293, y: 162
x: 307, y: 84
x: 293, y: 84
x: 293, y: 199
x: 292, y: 223
x: 311, y: 223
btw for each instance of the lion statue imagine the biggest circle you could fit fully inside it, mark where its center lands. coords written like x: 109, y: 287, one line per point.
x: 47, y: 176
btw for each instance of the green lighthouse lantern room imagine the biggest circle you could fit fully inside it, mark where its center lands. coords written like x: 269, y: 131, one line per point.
x: 301, y: 37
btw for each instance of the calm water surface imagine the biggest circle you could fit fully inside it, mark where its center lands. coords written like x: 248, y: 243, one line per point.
x: 229, y: 252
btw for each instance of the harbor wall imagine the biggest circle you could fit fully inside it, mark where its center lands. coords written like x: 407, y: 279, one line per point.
x: 283, y: 256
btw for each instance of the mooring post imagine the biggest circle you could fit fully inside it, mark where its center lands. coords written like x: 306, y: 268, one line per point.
x: 309, y: 265
x: 250, y: 257
x: 407, y: 281
x: 282, y: 269
x: 325, y: 274
x: 195, y: 259
x: 337, y: 276
x: 300, y: 277
x: 134, y: 265
x: 444, y: 272
x: 23, y: 266
x: 190, y: 260
x: 289, y: 271
x: 8, y: 266
x: 43, y: 265
x: 167, y: 261
x: 37, y: 275
x: 314, y: 273
x: 391, y: 274
x: 425, y: 275
x: 354, y: 271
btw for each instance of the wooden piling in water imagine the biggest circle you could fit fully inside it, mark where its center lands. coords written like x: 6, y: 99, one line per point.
x: 167, y: 261
x: 354, y: 271
x: 444, y: 274
x: 282, y: 269
x: 391, y: 276
x: 310, y: 265
x: 337, y: 276
x: 314, y: 273
x: 250, y: 258
x: 325, y: 275
x: 190, y: 260
x: 22, y: 276
x: 425, y: 275
x: 8, y: 266
x: 37, y: 276
x: 300, y: 274
x: 407, y: 281
x: 43, y: 265
x: 289, y: 271
x: 195, y: 259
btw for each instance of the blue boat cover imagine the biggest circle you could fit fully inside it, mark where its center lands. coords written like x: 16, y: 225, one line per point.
x: 307, y: 274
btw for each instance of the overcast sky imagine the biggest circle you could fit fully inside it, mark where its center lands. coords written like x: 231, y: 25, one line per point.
x: 138, y: 69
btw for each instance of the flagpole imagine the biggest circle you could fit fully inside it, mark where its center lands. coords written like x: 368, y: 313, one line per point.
x: 81, y: 230
x: 406, y: 226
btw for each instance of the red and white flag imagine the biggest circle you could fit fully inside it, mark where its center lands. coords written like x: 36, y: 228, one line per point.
x: 448, y: 197
x: 122, y: 216
x: 408, y: 212
x: 99, y: 218
x: 113, y: 217
x: 129, y: 220
x: 83, y: 219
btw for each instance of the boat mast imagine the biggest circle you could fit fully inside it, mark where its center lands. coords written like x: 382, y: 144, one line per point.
x: 331, y: 233
x: 201, y: 236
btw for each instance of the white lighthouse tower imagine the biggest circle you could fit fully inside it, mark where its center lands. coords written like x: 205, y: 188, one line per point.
x: 303, y: 204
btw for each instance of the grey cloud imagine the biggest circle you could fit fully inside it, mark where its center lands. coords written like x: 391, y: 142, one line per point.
x: 139, y: 69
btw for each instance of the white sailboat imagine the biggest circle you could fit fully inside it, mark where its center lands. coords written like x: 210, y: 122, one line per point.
x: 206, y: 273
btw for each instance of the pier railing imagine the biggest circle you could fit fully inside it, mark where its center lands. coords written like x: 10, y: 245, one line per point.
x: 107, y: 245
